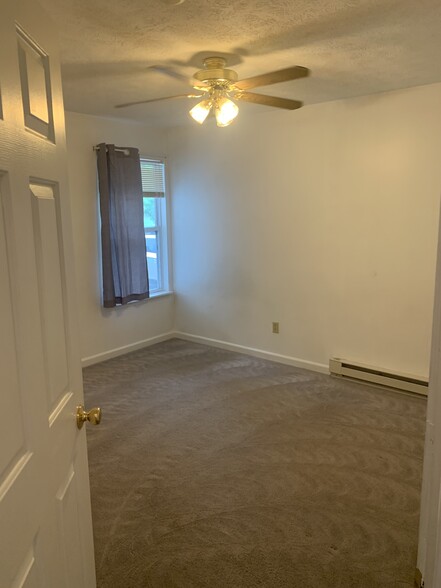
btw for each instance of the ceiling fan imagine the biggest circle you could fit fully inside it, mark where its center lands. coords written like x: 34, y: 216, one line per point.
x: 219, y: 86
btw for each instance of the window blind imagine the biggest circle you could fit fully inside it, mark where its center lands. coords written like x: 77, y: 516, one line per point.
x: 152, y: 177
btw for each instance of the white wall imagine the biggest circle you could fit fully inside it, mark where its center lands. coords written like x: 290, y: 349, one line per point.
x: 324, y: 219
x: 103, y: 330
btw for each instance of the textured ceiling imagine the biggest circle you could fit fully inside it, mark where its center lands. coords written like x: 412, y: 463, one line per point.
x: 111, y: 49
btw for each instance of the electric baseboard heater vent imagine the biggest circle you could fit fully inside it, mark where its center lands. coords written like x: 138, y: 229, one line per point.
x: 379, y: 377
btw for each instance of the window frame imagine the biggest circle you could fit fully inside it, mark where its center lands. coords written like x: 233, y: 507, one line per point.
x: 162, y: 228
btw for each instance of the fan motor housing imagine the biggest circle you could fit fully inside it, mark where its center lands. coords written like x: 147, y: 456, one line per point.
x: 214, y: 71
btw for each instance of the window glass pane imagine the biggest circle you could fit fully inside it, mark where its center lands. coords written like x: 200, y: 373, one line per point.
x: 151, y: 243
x: 149, y: 212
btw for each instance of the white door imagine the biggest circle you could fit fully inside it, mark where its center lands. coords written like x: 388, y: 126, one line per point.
x: 45, y: 517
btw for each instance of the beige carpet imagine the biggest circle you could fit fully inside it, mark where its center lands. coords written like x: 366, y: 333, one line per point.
x: 218, y: 470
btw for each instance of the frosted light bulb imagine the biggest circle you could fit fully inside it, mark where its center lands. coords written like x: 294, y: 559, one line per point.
x: 226, y: 111
x: 200, y: 112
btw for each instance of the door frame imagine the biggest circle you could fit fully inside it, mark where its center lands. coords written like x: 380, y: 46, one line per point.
x: 429, y: 540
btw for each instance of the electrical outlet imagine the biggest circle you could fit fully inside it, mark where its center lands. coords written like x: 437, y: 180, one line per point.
x: 276, y: 328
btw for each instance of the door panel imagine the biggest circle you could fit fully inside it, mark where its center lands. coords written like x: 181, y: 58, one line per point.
x: 69, y: 514
x: 36, y: 88
x: 45, y: 516
x: 50, y: 278
x: 11, y: 454
x: 27, y: 576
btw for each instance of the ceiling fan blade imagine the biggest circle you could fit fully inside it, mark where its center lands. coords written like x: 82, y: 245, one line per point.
x: 158, y: 100
x: 269, y: 100
x: 273, y: 77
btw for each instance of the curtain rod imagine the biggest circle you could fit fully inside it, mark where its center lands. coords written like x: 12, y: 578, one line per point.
x: 125, y: 149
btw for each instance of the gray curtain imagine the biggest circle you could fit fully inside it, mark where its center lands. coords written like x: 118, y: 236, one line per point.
x: 124, y: 262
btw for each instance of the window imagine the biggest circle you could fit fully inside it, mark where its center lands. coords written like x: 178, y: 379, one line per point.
x: 155, y: 223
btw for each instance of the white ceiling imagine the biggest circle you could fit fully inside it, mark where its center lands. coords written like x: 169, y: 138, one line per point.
x: 352, y: 47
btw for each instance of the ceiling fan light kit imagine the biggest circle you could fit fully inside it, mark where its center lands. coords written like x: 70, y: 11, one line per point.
x: 219, y: 86
x: 225, y: 110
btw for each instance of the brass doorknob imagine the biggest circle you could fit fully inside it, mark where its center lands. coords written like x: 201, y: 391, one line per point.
x: 93, y: 416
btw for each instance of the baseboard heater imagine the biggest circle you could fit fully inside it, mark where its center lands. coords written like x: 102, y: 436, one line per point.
x: 380, y: 377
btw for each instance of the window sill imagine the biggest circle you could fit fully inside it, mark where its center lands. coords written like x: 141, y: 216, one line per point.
x: 160, y: 294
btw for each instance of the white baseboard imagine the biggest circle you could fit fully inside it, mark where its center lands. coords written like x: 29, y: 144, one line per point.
x: 286, y: 359
x: 99, y: 357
